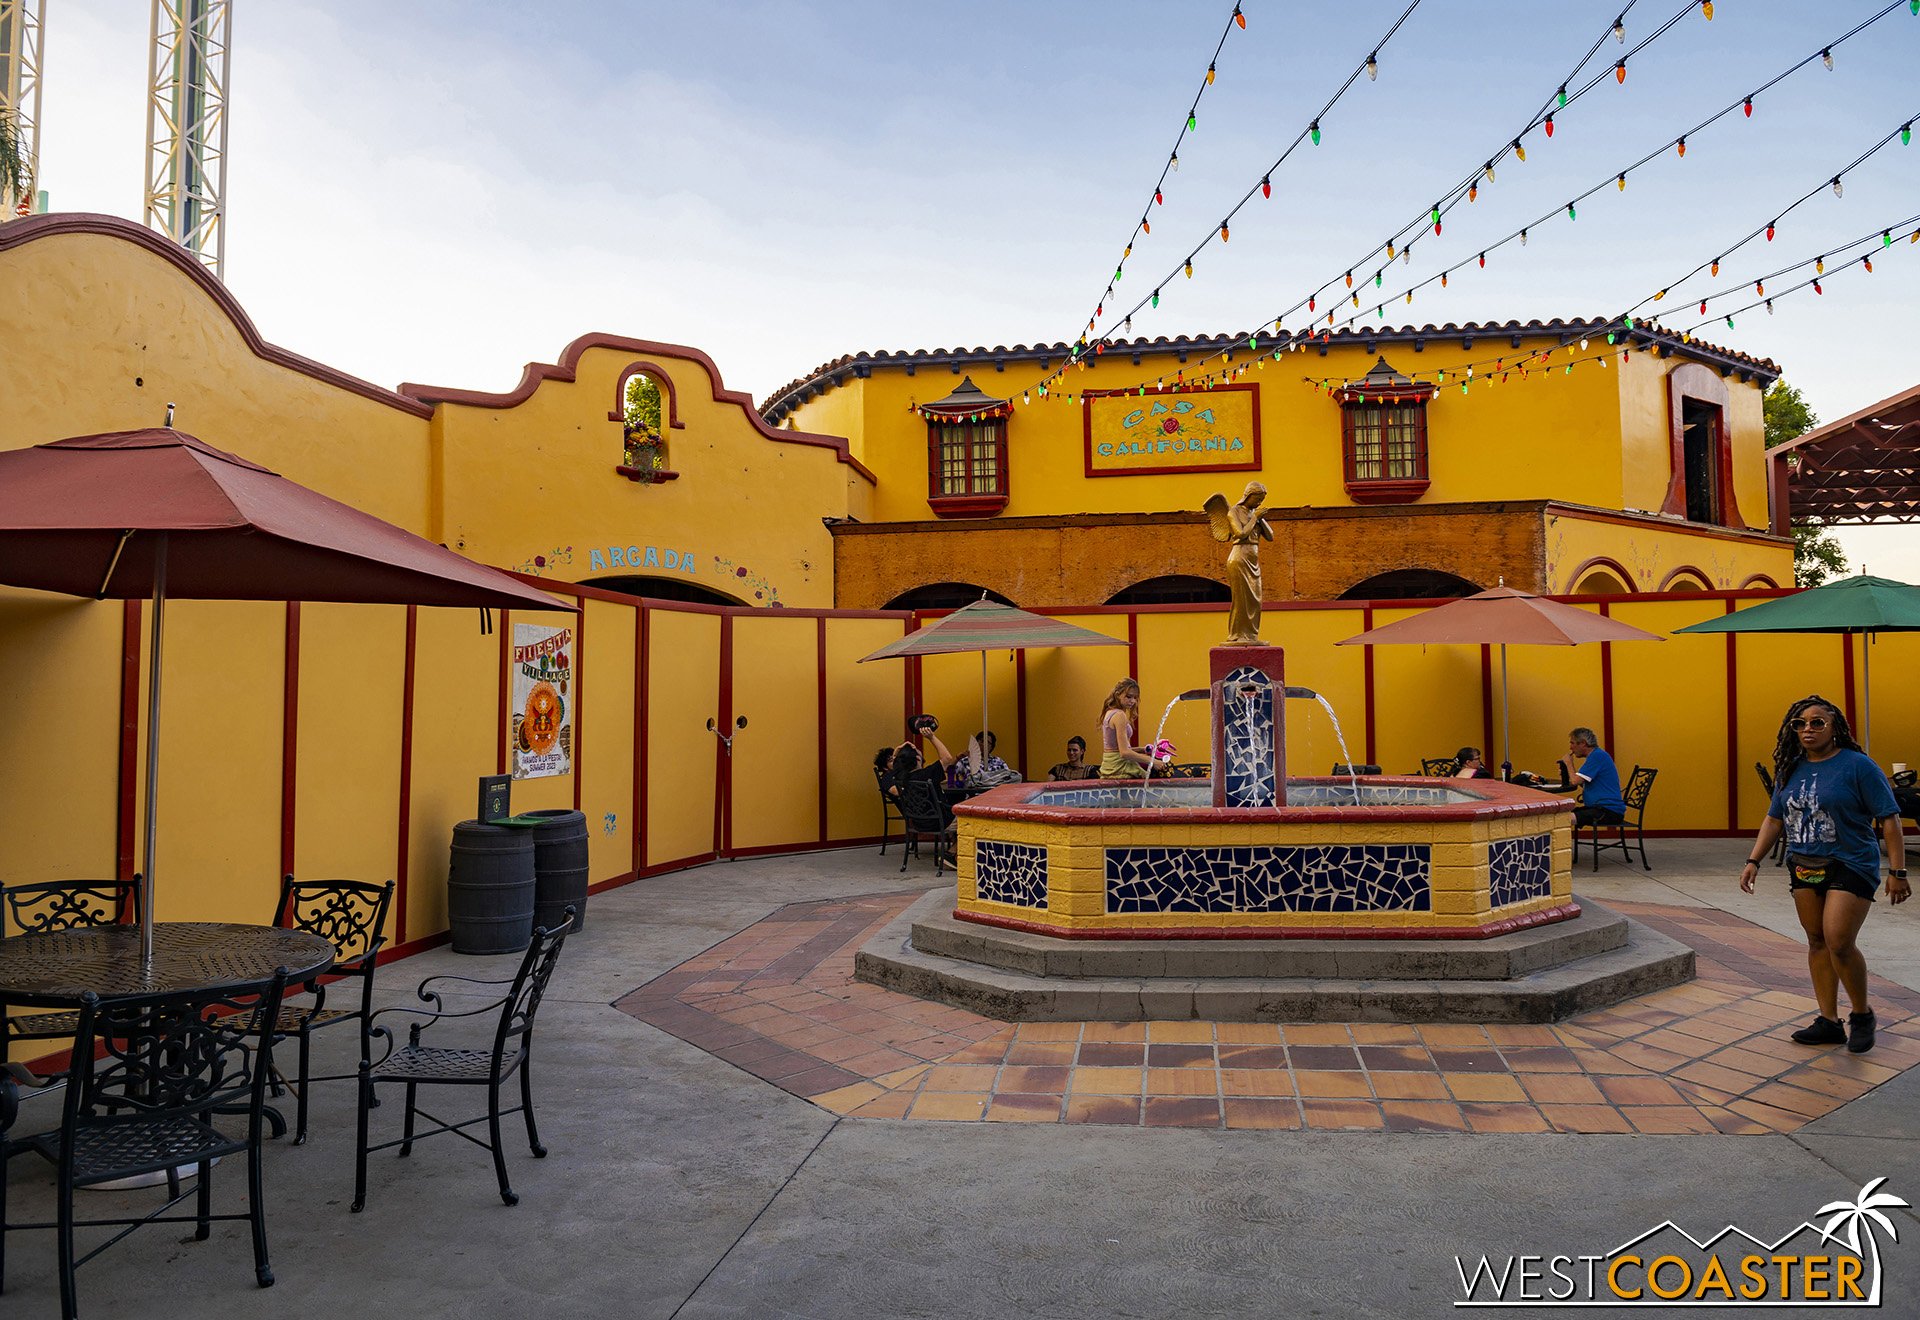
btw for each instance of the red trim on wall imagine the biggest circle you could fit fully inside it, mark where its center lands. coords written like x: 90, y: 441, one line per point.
x: 504, y: 720
x: 1760, y: 581
x: 579, y: 704
x: 1613, y: 566
x: 290, y: 738
x: 1366, y: 685
x: 658, y: 375
x: 125, y: 826
x: 1020, y: 710
x: 1733, y: 728
x: 642, y: 668
x: 1698, y: 574
x: 1133, y: 647
x: 1606, y: 683
x: 1252, y: 464
x: 401, y: 868
x: 910, y: 684
x: 723, y: 767
x: 1846, y: 677
x: 1691, y: 380
x: 820, y: 716
x: 1486, y: 705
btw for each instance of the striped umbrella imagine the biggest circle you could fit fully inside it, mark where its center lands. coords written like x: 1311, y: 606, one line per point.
x: 988, y: 626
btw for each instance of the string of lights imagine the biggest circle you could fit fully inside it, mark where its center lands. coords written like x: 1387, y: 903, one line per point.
x: 1190, y: 124
x: 1370, y: 66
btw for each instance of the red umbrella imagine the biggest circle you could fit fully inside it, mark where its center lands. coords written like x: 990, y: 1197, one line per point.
x: 1503, y: 616
x: 158, y: 513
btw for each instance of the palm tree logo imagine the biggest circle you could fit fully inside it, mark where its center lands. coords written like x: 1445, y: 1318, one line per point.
x: 1849, y: 1218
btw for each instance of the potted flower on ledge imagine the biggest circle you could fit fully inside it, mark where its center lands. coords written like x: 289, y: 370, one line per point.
x: 645, y: 456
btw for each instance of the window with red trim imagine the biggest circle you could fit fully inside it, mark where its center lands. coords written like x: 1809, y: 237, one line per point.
x: 1383, y: 431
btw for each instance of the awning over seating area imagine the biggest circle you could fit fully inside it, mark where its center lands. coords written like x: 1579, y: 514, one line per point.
x: 1861, y: 469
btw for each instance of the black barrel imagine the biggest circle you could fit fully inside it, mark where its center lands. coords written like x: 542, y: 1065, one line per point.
x: 559, y: 868
x: 490, y: 888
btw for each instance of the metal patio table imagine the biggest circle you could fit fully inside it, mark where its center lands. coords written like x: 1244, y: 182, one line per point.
x: 55, y: 970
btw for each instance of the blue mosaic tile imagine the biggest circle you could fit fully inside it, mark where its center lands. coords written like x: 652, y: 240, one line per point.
x: 1385, y: 877
x: 1246, y: 717
x: 1520, y: 869
x: 1013, y: 873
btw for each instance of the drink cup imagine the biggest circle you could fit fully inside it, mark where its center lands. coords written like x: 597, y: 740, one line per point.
x: 1899, y: 767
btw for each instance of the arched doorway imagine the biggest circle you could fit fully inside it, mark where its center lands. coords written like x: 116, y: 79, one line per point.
x: 943, y: 596
x: 653, y: 588
x: 1174, y: 589
x: 1600, y: 582
x: 1410, y: 584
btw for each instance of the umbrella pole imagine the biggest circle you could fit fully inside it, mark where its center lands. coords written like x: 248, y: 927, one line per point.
x: 1506, y: 719
x: 1866, y: 694
x: 153, y: 748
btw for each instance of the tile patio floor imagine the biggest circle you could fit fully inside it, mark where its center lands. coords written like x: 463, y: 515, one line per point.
x: 778, y: 1000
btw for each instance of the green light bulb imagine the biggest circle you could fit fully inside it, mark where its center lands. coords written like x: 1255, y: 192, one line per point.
x: 1563, y: 97
x: 1314, y: 129
x: 1192, y: 123
x: 1156, y: 297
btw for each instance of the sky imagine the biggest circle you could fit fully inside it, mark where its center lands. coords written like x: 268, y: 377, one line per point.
x: 441, y: 191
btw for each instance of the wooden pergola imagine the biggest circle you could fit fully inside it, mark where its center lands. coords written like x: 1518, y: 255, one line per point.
x: 1862, y: 469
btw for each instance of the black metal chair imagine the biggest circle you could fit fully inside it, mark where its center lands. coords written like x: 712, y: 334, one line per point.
x: 1779, y: 853
x: 1343, y: 770
x: 1438, y: 767
x: 149, y: 1076
x: 418, y: 1065
x: 1639, y: 788
x: 889, y: 810
x: 351, y: 915
x: 46, y: 906
x: 924, y: 815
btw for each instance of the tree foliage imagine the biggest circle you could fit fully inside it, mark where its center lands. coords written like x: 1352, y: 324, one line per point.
x: 1817, y: 555
x: 13, y: 156
x: 643, y: 407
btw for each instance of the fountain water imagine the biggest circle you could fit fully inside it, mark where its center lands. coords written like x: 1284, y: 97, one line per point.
x: 1193, y: 694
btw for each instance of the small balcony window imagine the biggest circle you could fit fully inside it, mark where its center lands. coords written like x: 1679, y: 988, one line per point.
x: 967, y: 453
x: 1383, y: 419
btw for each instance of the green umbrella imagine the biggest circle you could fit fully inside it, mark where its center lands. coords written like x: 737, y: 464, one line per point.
x: 1860, y: 604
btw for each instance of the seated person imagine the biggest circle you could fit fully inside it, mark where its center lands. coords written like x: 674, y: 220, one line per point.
x: 1468, y: 764
x: 1597, y: 779
x: 1075, y: 766
x: 895, y: 765
x: 964, y: 773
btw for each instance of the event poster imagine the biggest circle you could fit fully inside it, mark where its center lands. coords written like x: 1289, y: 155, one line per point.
x: 1131, y: 434
x: 543, y: 696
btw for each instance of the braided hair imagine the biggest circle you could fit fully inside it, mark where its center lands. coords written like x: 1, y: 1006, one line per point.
x: 1786, y: 748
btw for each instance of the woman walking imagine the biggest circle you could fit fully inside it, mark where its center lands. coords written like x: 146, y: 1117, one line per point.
x: 1830, y: 799
x: 1119, y: 758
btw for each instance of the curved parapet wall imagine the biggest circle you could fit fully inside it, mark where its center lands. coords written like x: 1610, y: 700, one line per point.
x: 1415, y: 860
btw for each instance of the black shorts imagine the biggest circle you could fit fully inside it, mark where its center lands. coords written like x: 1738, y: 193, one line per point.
x: 1597, y: 816
x: 1843, y: 878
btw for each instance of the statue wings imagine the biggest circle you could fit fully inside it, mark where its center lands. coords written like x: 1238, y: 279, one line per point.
x: 1218, y: 519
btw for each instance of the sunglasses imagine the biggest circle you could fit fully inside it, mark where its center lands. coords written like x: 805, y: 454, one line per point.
x: 1815, y: 723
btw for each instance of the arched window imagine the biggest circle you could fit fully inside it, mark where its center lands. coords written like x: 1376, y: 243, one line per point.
x: 1686, y: 578
x: 653, y: 588
x: 1600, y: 582
x: 943, y: 596
x: 1173, y: 589
x: 644, y: 435
x: 1410, y: 584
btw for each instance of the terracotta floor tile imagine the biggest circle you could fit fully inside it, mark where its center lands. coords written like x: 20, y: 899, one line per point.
x: 1038, y: 1081
x: 1668, y: 1118
x: 1025, y: 1109
x: 1598, y: 1062
x: 1113, y: 1031
x: 1396, y: 1058
x: 841, y: 1048
x: 1824, y: 1082
x: 1343, y: 1085
x: 1561, y: 1089
x: 1384, y: 1033
x: 1448, y: 1059
x: 960, y: 1077
x: 1183, y: 1081
x: 1047, y: 1031
x: 1521, y: 1034
x: 1179, y: 1056
x: 986, y: 1051
x: 1640, y: 1091
x: 1180, y: 1033
x: 893, y: 1104
x: 1245, y: 1112
x: 948, y: 1105
x: 1317, y: 1033
x: 1774, y: 1120
x: 1334, y: 1114
x: 1585, y: 1118
x: 1325, y: 1058
x: 1252, y: 1056
x: 905, y: 1077
x: 1110, y: 1109
x: 1101, y: 1055
x: 1107, y: 1081
x: 1730, y: 1080
x: 1707, y: 1029
x: 879, y: 1062
x: 1476, y: 1086
x: 1734, y: 1125
x: 1542, y: 1059
x: 1654, y: 1060
x: 1503, y: 1118
x: 1409, y: 1086
x: 1697, y: 1095
x: 1246, y: 1033
x: 1759, y: 1065
x: 848, y: 1098
x: 1048, y: 1054
x: 1855, y: 1065
x: 1810, y: 1104
x: 1422, y: 1116
x: 1455, y: 1036
x: 1182, y: 1111
x: 1256, y: 1081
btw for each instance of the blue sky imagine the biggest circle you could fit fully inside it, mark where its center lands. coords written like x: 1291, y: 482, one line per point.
x: 444, y: 191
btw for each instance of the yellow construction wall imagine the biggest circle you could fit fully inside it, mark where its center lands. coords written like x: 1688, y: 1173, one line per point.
x: 776, y: 677
x: 865, y: 711
x: 605, y: 760
x: 683, y: 693
x: 1648, y: 555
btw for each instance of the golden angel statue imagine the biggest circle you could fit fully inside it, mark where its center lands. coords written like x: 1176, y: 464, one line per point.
x: 1242, y: 526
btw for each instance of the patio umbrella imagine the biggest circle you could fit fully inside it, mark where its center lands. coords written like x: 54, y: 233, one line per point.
x: 1861, y: 604
x: 1506, y: 617
x: 988, y: 626
x: 157, y: 513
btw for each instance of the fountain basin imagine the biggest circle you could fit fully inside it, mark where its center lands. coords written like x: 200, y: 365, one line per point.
x: 1405, y: 858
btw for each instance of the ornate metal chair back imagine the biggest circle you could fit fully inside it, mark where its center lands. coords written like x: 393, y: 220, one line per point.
x: 530, y: 985
x: 44, y: 906
x: 351, y: 915
x: 1639, y: 787
x: 920, y: 807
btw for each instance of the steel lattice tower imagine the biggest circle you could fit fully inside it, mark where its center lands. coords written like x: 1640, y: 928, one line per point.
x: 21, y: 24
x: 186, y: 184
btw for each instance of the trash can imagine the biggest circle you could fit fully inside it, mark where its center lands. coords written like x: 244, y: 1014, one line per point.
x: 559, y: 868
x: 490, y: 888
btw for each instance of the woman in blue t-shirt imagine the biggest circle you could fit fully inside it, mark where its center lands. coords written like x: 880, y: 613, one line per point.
x: 1829, y: 799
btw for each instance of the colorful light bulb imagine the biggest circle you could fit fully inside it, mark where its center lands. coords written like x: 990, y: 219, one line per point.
x: 1146, y: 226
x: 1240, y: 18
x: 1473, y: 191
x: 1488, y: 168
x: 1838, y: 190
x: 1714, y: 269
x: 1373, y: 67
x: 1819, y: 265
x: 1620, y: 72
x: 1906, y: 129
x: 1769, y: 236
x: 1349, y: 279
x: 1156, y: 297
x: 1826, y: 58
x: 1561, y: 96
x: 1571, y: 215
x: 1224, y: 235
x: 1706, y: 10
x: 1193, y: 122
x: 1519, y: 151
x: 1266, y: 187
x: 1483, y: 261
x: 1681, y: 147
x: 1549, y: 125
x: 1621, y: 183
x: 1817, y: 288
x: 1210, y: 72
x: 1158, y: 199
x: 1313, y: 130
x: 1747, y: 105
x: 1886, y: 238
x: 1523, y: 238
x: 1620, y: 29
x: 1189, y: 268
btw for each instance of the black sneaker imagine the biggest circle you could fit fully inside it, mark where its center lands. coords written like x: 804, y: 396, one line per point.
x: 1860, y: 1032
x: 1827, y: 1031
